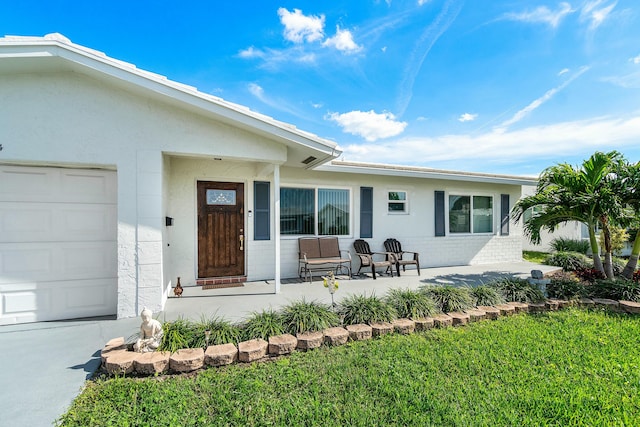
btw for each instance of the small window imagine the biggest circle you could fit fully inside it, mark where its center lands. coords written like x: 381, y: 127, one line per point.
x: 397, y: 202
x: 470, y: 214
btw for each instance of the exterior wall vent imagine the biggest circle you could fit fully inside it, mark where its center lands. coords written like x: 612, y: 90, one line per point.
x: 308, y: 160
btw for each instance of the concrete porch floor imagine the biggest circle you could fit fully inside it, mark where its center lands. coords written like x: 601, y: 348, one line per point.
x: 237, y: 303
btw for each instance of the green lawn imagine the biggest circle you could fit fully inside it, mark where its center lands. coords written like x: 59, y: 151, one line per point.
x: 564, y: 368
x: 533, y: 256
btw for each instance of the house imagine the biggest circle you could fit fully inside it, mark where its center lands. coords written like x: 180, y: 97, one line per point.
x: 114, y: 181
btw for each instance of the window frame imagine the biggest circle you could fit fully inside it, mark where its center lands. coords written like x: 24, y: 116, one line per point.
x: 405, y: 202
x: 315, y: 189
x: 471, y: 196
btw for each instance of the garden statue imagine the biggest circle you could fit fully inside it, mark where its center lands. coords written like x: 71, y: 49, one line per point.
x: 150, y: 333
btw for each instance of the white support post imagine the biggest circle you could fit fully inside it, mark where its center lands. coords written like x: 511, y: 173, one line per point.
x: 276, y: 214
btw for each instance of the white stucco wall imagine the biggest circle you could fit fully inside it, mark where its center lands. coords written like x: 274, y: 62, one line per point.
x: 70, y: 119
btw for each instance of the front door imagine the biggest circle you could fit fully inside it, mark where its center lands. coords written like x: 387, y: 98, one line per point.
x: 220, y: 229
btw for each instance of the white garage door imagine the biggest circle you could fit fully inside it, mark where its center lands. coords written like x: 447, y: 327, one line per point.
x: 58, y: 253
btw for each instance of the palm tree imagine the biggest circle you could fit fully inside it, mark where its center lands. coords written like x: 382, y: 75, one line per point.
x: 629, y: 191
x: 585, y: 194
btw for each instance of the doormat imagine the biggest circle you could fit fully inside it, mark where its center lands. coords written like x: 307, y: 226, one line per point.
x: 223, y: 285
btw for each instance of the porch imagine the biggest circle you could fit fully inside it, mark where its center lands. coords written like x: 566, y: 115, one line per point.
x: 237, y: 303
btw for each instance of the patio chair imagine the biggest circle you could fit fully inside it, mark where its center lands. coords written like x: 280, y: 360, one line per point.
x: 366, y: 258
x: 394, y: 246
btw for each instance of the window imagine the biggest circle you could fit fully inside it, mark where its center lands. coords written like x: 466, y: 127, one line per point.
x: 470, y: 214
x: 397, y: 202
x: 322, y: 211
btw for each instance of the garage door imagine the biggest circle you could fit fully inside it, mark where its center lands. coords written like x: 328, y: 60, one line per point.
x: 58, y: 253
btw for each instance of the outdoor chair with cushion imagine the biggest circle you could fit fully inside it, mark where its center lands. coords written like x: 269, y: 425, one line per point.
x: 366, y: 258
x: 320, y: 254
x: 394, y: 246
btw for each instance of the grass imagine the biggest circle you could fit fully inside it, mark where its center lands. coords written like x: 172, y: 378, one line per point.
x: 534, y: 256
x: 572, y: 367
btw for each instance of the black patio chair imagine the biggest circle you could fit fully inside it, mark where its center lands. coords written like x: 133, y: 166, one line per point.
x: 366, y: 258
x: 394, y: 246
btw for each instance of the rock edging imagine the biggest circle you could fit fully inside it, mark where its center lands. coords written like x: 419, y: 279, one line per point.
x: 118, y: 360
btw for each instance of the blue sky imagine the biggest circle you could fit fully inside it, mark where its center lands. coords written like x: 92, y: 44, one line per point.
x: 489, y: 86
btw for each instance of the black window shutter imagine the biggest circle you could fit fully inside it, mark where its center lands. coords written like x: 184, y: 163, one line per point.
x: 504, y: 214
x: 262, y: 210
x: 439, y: 213
x: 366, y: 212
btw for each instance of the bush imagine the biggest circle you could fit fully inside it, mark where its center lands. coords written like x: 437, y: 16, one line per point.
x: 618, y: 289
x: 411, y: 304
x: 263, y: 324
x: 588, y: 274
x: 449, y: 298
x: 569, y: 261
x: 302, y: 316
x: 486, y: 295
x: 565, y: 286
x: 221, y: 331
x: 561, y: 244
x: 365, y: 309
x: 178, y: 334
x: 518, y: 290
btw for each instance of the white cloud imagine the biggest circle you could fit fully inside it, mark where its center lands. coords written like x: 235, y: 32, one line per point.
x: 422, y: 2
x: 299, y: 27
x: 256, y: 90
x: 538, y: 102
x: 467, y: 117
x: 369, y: 124
x: 549, y: 141
x: 541, y: 15
x: 635, y: 60
x: 343, y: 41
x: 629, y: 81
x: 251, y: 52
x: 595, y: 14
x: 563, y: 71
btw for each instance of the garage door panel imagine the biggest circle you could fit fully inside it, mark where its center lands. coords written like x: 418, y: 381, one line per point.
x: 36, y: 262
x: 23, y: 183
x: 52, y: 300
x: 36, y: 184
x: 56, y: 222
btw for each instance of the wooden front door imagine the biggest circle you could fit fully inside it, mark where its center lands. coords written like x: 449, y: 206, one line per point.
x: 220, y: 229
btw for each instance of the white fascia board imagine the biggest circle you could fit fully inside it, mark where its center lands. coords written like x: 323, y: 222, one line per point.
x: 414, y: 172
x: 129, y: 73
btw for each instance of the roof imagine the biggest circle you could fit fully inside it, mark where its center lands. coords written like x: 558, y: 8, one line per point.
x: 422, y: 172
x: 54, y: 52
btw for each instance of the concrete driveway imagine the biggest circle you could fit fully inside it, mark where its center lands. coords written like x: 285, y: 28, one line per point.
x: 45, y: 365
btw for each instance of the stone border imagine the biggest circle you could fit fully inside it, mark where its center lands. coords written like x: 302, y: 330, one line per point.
x: 118, y: 360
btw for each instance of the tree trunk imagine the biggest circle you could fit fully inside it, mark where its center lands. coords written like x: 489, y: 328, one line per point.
x: 608, y: 261
x: 630, y: 268
x: 595, y: 251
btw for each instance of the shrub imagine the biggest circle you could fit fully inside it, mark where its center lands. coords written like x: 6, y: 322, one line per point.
x: 263, y: 324
x: 569, y: 261
x: 619, y: 237
x: 365, y: 309
x: 302, y: 316
x: 221, y: 331
x: 410, y: 303
x: 177, y: 334
x: 618, y: 289
x: 486, y: 295
x: 561, y: 244
x: 588, y: 274
x: 449, y: 298
x: 518, y: 290
x: 565, y: 285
